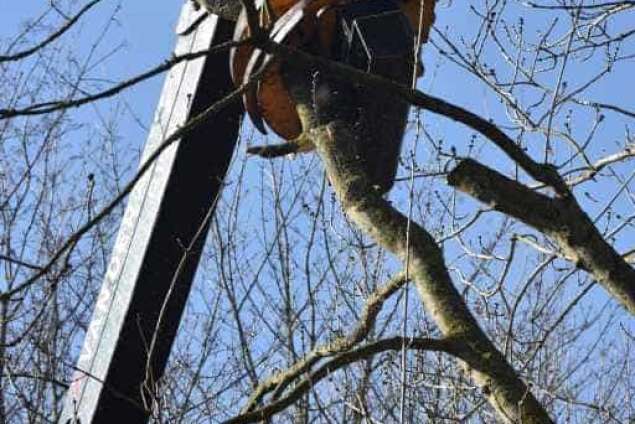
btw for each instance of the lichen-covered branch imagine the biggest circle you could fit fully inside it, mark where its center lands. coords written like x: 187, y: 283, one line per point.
x: 499, y: 382
x: 561, y: 219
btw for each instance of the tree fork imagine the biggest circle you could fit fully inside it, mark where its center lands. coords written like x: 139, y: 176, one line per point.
x: 504, y: 389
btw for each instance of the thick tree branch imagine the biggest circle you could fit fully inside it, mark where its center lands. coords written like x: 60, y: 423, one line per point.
x: 502, y: 386
x: 561, y: 219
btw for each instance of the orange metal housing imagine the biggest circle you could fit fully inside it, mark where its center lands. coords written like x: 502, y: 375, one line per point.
x: 270, y: 101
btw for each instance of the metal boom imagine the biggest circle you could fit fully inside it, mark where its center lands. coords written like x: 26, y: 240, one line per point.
x: 142, y: 295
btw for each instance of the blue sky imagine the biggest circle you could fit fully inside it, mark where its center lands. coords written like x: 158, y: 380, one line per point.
x: 142, y: 36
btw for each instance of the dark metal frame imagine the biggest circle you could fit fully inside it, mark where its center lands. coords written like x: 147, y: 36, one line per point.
x: 143, y: 296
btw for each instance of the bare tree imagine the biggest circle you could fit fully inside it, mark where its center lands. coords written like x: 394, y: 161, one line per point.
x: 494, y: 284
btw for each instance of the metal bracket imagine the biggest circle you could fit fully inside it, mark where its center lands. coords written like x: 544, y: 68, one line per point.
x: 376, y: 37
